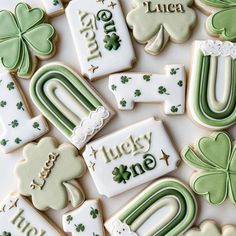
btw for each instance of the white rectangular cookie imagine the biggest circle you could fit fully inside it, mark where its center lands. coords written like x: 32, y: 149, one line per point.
x: 130, y: 157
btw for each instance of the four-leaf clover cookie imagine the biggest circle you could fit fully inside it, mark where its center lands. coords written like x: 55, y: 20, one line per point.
x: 215, y: 159
x: 23, y: 37
x: 154, y: 22
x: 47, y: 174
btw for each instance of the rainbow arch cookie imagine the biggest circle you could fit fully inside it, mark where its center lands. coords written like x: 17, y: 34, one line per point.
x: 139, y: 217
x: 69, y: 102
x: 212, y: 94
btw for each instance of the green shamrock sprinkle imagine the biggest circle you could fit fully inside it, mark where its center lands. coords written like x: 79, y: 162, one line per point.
x: 80, y: 228
x: 69, y: 218
x: 36, y: 125
x: 19, y: 106
x: 175, y: 109
x: 18, y: 140
x: 5, y: 233
x: 112, y: 42
x: 3, y: 103
x: 147, y: 78
x: 94, y: 213
x: 137, y: 93
x: 95, y: 234
x: 173, y: 71
x: 55, y: 2
x: 113, y: 87
x: 11, y: 86
x: 162, y: 90
x: 123, y: 103
x: 14, y: 124
x: 125, y: 79
x: 180, y: 83
x: 4, y: 142
x: 121, y: 174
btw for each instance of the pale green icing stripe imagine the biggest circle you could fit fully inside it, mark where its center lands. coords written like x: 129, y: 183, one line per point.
x: 50, y: 90
x: 214, y: 104
x: 75, y: 87
x: 201, y: 106
x: 168, y: 188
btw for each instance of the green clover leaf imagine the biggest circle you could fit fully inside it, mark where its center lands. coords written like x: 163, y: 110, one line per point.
x: 69, y: 218
x: 94, y: 213
x: 180, y: 83
x: 20, y: 106
x: 173, y: 71
x: 11, y: 86
x: 112, y: 42
x: 121, y: 174
x: 113, y: 87
x: 175, y: 109
x: 18, y: 140
x: 125, y: 79
x: 137, y: 93
x: 4, y: 142
x: 147, y: 78
x: 55, y: 2
x: 162, y: 90
x: 5, y: 233
x: 80, y: 228
x: 123, y: 103
x: 14, y: 124
x: 23, y: 35
x: 3, y: 103
x: 36, y: 126
x: 215, y: 160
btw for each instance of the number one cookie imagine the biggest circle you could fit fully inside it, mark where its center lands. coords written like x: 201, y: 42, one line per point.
x: 212, y: 93
x: 19, y: 127
x: 136, y: 87
x: 69, y: 103
x: 138, y: 217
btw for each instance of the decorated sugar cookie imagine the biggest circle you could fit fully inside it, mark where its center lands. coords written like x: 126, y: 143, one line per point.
x: 130, y: 157
x: 69, y: 103
x: 84, y: 221
x: 47, y: 174
x: 215, y: 159
x: 212, y: 102
x: 144, y: 214
x: 19, y: 127
x: 220, y: 23
x: 23, y: 37
x: 101, y: 37
x: 53, y: 7
x: 18, y: 217
x: 210, y: 228
x: 169, y: 88
x: 154, y: 22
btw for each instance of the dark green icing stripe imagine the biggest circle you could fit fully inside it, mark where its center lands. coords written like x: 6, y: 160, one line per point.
x: 165, y: 189
x: 201, y: 106
x: 72, y: 83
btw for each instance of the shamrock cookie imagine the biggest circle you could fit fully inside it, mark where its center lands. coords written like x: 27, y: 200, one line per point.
x: 23, y: 37
x: 154, y: 22
x: 214, y: 157
x: 47, y: 173
x: 210, y: 228
x: 69, y: 103
x: 19, y: 127
x: 139, y: 216
x: 101, y: 37
x: 86, y: 220
x: 169, y: 88
x: 130, y: 157
x: 220, y: 23
x: 211, y: 95
x: 18, y: 217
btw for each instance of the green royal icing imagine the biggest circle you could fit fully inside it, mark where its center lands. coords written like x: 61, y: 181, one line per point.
x: 24, y: 35
x: 227, y: 115
x: 168, y: 188
x: 215, y: 159
x: 222, y: 23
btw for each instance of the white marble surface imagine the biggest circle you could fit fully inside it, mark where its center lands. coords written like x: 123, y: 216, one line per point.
x: 181, y: 128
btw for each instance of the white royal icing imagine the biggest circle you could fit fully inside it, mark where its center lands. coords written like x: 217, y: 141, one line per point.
x: 18, y: 217
x: 53, y: 7
x: 85, y: 220
x: 130, y: 88
x: 101, y: 37
x: 19, y: 127
x: 144, y: 150
x: 121, y: 229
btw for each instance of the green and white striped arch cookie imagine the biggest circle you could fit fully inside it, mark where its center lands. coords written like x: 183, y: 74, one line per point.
x: 69, y: 102
x: 165, y: 208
